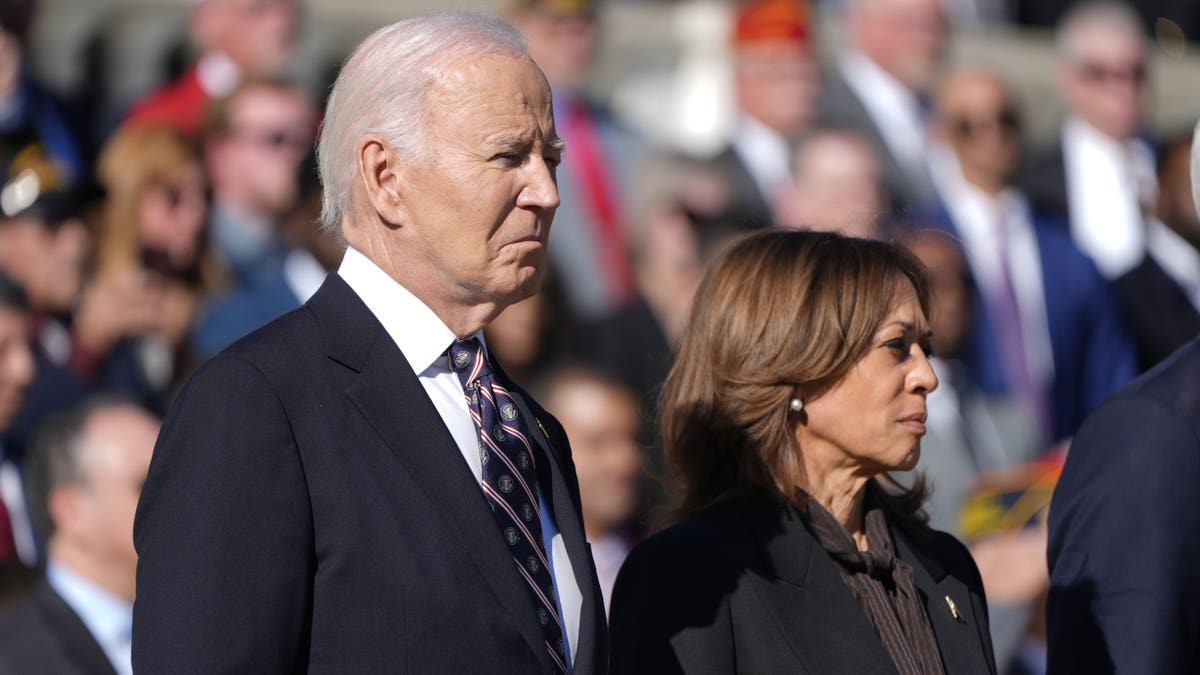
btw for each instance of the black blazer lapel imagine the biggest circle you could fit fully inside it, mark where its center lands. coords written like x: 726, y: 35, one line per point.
x: 957, y: 622
x: 805, y: 595
x: 76, y: 642
x: 393, y: 402
x: 564, y: 504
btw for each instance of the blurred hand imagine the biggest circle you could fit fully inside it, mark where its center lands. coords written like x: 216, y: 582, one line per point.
x: 118, y: 305
x: 1013, y: 565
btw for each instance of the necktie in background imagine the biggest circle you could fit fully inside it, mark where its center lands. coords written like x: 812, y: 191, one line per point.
x: 510, y: 483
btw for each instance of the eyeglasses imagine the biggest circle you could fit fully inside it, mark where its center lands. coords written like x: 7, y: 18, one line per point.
x: 1100, y: 73
x: 1006, y: 120
x: 274, y: 139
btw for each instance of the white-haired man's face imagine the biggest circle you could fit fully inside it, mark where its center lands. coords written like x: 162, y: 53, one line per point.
x: 476, y: 215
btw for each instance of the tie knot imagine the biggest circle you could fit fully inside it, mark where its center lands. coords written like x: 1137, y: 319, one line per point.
x: 468, y: 361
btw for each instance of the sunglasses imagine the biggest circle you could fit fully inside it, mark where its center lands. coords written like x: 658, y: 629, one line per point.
x: 1007, y: 121
x: 1099, y: 73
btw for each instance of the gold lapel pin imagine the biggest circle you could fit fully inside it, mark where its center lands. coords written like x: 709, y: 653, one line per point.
x: 539, y: 423
x: 953, y: 609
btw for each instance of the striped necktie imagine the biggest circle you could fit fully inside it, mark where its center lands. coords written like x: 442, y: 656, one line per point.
x: 510, y: 484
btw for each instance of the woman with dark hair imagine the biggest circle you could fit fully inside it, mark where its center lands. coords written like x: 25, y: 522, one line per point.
x: 800, y: 383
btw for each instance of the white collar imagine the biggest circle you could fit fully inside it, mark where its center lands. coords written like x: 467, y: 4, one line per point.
x: 419, y: 333
x: 765, y: 154
x: 108, y: 618
x: 1176, y: 256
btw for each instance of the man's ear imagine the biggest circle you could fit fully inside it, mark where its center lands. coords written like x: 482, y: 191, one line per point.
x: 379, y: 170
x: 65, y: 508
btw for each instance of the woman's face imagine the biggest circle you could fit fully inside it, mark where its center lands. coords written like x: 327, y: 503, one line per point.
x: 171, y: 215
x: 872, y: 420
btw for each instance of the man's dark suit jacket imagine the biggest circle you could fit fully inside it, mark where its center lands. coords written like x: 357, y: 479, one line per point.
x: 1125, y: 531
x: 749, y: 590
x: 42, y: 635
x: 307, y: 510
x: 839, y: 107
x: 1157, y: 310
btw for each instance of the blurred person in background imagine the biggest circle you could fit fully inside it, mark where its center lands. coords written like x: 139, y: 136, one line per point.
x: 1048, y: 333
x: 836, y: 186
x: 235, y: 40
x: 84, y: 473
x: 1124, y: 590
x: 1099, y: 177
x: 309, y: 253
x: 530, y: 336
x: 255, y: 146
x: 17, y: 544
x: 31, y: 119
x: 970, y: 433
x: 603, y: 419
x: 1161, y: 296
x: 152, y: 253
x: 775, y: 76
x: 591, y: 236
x: 882, y: 85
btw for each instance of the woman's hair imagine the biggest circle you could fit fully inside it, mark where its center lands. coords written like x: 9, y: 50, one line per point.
x: 780, y: 314
x: 134, y: 160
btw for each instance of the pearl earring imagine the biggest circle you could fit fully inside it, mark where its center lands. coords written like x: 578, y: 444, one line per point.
x: 797, y: 405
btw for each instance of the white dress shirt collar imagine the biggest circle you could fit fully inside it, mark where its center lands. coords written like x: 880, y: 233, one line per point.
x: 893, y: 108
x: 107, y: 617
x: 765, y: 154
x: 1177, y: 258
x: 419, y: 333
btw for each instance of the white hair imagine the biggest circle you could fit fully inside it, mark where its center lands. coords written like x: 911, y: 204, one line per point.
x: 382, y: 90
x: 1105, y: 14
x: 1196, y: 168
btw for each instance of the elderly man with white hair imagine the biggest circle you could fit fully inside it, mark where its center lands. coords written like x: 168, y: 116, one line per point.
x: 358, y: 487
x: 1125, y: 530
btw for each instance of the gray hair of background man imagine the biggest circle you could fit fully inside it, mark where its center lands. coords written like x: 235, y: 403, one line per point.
x: 1114, y: 16
x: 54, y: 455
x: 382, y: 90
x: 1196, y: 167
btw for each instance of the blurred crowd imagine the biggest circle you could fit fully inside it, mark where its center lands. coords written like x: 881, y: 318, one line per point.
x: 132, y: 250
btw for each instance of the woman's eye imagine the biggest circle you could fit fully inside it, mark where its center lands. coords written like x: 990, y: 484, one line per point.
x: 553, y: 162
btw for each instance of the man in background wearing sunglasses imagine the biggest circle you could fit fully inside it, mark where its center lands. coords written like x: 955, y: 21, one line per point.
x: 1100, y: 177
x: 1047, y: 334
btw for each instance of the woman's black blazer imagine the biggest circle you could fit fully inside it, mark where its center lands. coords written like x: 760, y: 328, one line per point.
x: 747, y: 589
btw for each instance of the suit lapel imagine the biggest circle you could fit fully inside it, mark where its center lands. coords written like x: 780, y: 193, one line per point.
x: 567, y: 518
x: 804, y: 593
x: 389, y: 396
x: 954, y: 621
x: 65, y: 626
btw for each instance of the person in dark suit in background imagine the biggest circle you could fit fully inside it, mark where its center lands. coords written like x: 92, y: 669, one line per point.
x: 357, y: 486
x: 84, y: 475
x: 881, y: 84
x: 800, y: 383
x: 1099, y: 176
x: 1124, y: 587
x: 1161, y: 296
x: 1048, y: 333
x: 17, y: 369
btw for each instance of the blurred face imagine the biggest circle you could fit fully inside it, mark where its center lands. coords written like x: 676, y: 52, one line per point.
x: 172, y: 213
x: 777, y: 85
x: 515, y: 337
x: 906, y: 38
x: 837, y: 188
x: 872, y: 420
x: 114, y: 460
x: 562, y: 44
x: 48, y: 261
x: 602, y: 423
x: 259, y: 35
x: 16, y: 364
x: 10, y: 64
x: 980, y: 121
x: 478, y: 212
x: 1175, y: 205
x: 257, y: 162
x: 1104, y: 80
x: 951, y: 310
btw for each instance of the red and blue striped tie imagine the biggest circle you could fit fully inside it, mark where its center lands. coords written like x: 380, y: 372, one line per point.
x: 510, y: 483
